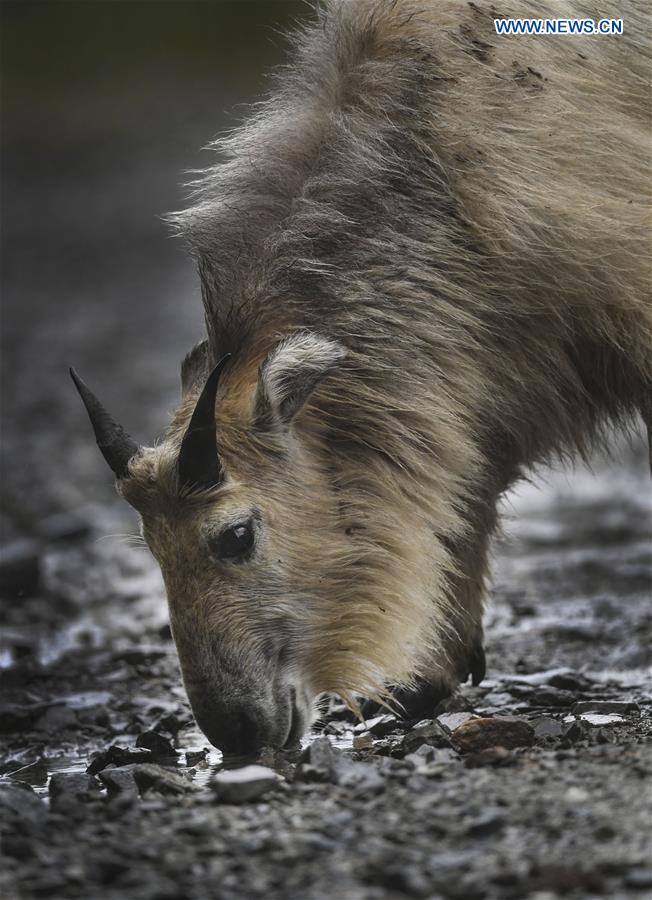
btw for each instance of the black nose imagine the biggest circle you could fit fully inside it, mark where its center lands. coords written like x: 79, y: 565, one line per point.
x: 236, y: 731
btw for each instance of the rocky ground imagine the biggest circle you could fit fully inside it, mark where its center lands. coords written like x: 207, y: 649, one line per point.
x: 534, y: 784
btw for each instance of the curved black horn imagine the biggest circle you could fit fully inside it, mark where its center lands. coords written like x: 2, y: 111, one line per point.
x: 116, y: 446
x: 199, y: 463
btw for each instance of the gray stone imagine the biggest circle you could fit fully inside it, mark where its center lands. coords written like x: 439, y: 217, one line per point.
x: 497, y: 699
x: 245, y: 784
x: 72, y: 784
x: 605, y: 707
x: 551, y: 696
x: 422, y: 755
x: 451, y: 721
x: 547, y: 728
x: 149, y: 776
x: 118, y: 756
x: 119, y: 780
x: 382, y: 725
x: 425, y: 732
x: 575, y: 731
x: 318, y: 762
x: 19, y: 804
x: 34, y: 773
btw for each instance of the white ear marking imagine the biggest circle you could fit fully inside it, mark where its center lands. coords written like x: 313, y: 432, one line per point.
x: 290, y: 373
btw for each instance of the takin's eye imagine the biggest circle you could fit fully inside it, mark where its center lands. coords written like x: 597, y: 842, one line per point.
x: 234, y: 543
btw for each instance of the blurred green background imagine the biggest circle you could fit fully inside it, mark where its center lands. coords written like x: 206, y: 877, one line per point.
x: 105, y: 107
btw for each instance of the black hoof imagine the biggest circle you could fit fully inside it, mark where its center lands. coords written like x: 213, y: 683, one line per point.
x: 423, y: 699
x: 418, y: 703
x: 476, y: 666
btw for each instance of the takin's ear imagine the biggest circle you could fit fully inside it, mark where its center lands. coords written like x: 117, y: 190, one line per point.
x: 290, y: 373
x: 194, y: 368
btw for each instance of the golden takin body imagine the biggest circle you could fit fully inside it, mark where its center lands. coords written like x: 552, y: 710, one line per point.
x: 425, y: 268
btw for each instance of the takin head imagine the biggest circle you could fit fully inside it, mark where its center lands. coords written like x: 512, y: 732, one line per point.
x: 239, y: 509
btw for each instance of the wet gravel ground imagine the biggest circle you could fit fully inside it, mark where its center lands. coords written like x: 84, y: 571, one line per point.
x: 534, y: 784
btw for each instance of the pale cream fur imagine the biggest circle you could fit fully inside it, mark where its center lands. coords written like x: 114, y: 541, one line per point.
x: 469, y: 216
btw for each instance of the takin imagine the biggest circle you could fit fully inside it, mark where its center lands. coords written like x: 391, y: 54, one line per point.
x: 425, y: 266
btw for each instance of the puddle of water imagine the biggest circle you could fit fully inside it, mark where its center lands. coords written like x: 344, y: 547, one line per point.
x: 194, y: 742
x: 597, y: 719
x: 84, y: 699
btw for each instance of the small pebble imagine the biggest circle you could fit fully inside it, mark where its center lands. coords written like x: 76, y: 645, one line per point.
x: 547, y: 728
x: 362, y: 741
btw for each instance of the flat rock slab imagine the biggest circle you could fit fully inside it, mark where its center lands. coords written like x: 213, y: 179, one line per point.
x: 33, y: 773
x: 72, y: 784
x: 149, y: 776
x: 245, y: 784
x: 606, y: 707
x: 501, y: 731
x: 119, y: 781
x: 118, y: 756
x: 19, y: 805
